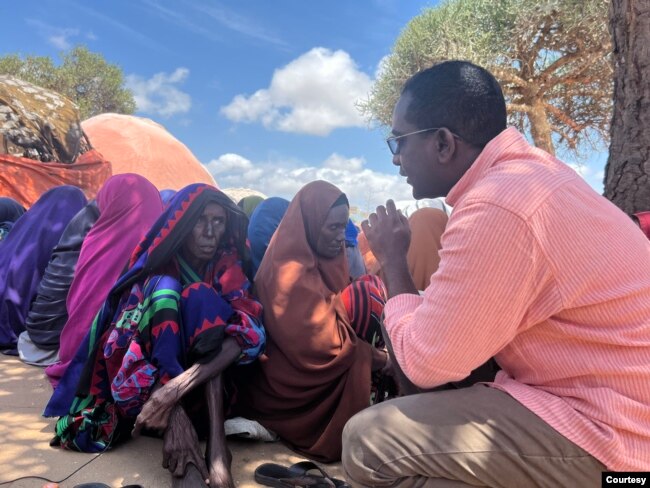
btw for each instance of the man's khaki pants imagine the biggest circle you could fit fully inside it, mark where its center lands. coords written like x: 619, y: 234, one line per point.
x: 476, y: 436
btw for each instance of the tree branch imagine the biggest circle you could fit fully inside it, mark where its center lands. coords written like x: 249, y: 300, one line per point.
x: 518, y: 107
x: 562, y: 117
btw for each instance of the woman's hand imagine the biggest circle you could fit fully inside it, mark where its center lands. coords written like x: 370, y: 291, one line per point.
x: 156, y: 411
x: 388, y: 233
x: 181, y: 445
x: 379, y: 360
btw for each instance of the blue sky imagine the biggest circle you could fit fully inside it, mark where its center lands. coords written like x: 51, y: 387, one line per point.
x: 262, y: 92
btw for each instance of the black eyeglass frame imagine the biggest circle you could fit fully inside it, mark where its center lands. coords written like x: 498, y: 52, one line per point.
x: 393, y: 141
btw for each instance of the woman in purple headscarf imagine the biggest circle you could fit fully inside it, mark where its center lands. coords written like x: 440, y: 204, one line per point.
x: 128, y: 205
x: 39, y: 344
x: 24, y: 254
x: 10, y: 211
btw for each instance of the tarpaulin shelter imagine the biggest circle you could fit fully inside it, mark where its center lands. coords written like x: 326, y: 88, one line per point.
x: 139, y: 145
x: 42, y: 145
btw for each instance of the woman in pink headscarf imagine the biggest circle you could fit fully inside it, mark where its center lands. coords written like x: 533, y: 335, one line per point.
x: 128, y: 205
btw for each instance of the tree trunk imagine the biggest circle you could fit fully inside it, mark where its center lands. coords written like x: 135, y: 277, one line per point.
x: 540, y: 129
x: 627, y: 173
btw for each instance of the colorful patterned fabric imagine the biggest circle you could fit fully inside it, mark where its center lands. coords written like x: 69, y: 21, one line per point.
x: 159, y: 318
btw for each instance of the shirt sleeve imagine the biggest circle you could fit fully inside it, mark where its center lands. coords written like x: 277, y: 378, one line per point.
x: 490, y: 271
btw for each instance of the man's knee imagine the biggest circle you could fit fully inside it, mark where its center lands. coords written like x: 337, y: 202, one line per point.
x: 360, y: 457
x: 353, y: 447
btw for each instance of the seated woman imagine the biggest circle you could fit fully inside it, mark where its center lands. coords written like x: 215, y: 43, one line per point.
x: 316, y: 372
x: 128, y: 205
x: 176, y: 319
x: 10, y: 211
x: 355, y: 260
x: 38, y: 345
x: 265, y: 219
x: 249, y: 204
x: 24, y: 255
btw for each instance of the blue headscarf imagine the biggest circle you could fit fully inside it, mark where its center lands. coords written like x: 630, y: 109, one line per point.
x: 24, y: 254
x: 264, y: 220
x: 351, y: 233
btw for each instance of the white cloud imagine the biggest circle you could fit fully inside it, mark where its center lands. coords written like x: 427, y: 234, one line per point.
x: 230, y: 164
x: 56, y: 36
x: 313, y: 94
x: 336, y: 161
x: 365, y: 188
x: 159, y: 95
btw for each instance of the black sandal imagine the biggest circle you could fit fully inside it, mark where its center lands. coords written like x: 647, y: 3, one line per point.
x: 278, y: 476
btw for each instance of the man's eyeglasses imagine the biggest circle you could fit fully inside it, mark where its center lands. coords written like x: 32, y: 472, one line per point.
x: 393, y: 141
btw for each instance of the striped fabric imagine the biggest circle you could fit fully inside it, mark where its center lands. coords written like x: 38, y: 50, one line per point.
x: 554, y: 281
x: 364, y: 301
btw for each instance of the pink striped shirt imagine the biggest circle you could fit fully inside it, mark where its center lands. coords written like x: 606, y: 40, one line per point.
x: 553, y: 280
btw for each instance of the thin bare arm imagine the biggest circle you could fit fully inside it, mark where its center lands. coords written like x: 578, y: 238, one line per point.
x: 155, y: 412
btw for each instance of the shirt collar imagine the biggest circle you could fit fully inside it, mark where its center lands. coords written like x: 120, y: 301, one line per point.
x: 485, y: 160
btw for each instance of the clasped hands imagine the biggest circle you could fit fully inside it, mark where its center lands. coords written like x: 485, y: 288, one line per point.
x: 388, y: 233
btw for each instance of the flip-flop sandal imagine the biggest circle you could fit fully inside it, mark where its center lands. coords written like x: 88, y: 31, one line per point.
x: 297, y: 475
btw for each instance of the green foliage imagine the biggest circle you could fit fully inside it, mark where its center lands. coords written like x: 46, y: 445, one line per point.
x: 95, y: 85
x: 552, y: 58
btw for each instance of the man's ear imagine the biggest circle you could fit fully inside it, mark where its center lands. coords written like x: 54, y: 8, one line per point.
x: 445, y: 145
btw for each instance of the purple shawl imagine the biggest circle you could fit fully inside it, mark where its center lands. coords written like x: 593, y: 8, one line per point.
x: 24, y: 254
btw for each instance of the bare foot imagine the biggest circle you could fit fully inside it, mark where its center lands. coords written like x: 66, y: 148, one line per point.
x: 181, y: 446
x: 192, y: 479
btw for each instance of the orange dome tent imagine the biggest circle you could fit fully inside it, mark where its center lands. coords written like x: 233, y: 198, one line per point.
x: 139, y: 145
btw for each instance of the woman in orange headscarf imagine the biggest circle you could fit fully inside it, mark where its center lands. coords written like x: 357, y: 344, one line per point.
x: 316, y: 372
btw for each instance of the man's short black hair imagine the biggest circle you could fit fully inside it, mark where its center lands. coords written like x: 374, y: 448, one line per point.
x: 460, y: 96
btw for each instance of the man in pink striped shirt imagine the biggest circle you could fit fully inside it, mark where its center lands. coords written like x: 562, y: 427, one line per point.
x: 536, y: 271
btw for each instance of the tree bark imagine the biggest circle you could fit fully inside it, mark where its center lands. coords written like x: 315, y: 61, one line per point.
x: 540, y: 129
x: 627, y: 173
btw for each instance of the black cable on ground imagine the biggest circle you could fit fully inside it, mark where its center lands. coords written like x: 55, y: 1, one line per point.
x: 54, y: 481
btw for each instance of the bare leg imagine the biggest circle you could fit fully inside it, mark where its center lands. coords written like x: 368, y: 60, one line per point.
x: 218, y: 456
x: 181, y: 454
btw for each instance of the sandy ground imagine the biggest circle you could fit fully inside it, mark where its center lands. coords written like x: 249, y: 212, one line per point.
x: 25, y: 450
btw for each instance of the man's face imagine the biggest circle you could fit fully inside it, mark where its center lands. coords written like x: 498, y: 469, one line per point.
x: 332, y: 235
x: 201, y: 245
x: 416, y: 157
